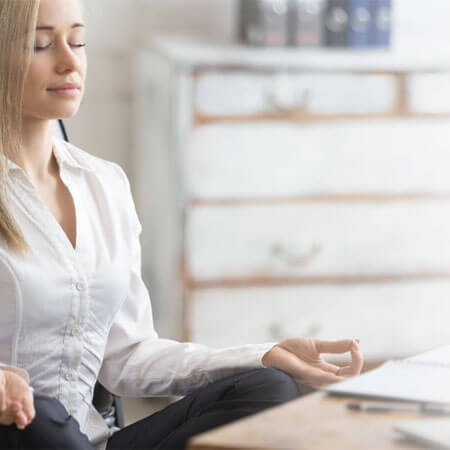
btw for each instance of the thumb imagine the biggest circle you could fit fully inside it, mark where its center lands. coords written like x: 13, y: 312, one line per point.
x: 2, y: 392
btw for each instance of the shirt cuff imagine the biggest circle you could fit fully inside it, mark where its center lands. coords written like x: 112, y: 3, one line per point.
x: 264, y: 349
x: 22, y: 372
x: 251, y: 355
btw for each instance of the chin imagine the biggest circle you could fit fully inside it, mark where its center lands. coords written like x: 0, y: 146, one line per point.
x: 64, y: 113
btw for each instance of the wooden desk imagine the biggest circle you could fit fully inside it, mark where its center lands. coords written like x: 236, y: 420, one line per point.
x: 315, y: 421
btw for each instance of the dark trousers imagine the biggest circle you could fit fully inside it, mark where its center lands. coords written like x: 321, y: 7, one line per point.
x: 216, y: 404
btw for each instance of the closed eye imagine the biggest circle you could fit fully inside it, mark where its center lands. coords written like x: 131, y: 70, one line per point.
x: 73, y: 45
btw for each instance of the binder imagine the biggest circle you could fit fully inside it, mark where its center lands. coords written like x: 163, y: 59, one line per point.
x: 274, y: 17
x: 337, y: 23
x: 360, y: 23
x: 265, y: 22
x: 306, y: 24
x: 250, y: 25
x: 380, y: 32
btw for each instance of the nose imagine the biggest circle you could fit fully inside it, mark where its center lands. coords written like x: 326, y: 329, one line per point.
x: 67, y: 59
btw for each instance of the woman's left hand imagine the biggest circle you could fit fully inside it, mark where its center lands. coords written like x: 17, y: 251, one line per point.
x: 300, y: 358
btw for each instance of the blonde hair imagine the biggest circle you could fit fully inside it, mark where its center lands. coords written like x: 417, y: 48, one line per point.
x: 18, y: 21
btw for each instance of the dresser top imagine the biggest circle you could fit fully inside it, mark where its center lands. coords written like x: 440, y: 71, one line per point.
x: 195, y: 52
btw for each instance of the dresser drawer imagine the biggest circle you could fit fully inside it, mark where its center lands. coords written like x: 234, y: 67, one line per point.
x: 347, y: 239
x: 392, y: 320
x: 282, y: 159
x: 429, y: 93
x: 250, y: 93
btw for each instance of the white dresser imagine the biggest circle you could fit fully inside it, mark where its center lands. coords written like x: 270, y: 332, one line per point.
x: 294, y: 193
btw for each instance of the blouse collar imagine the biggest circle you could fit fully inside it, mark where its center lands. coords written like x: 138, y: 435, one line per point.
x: 62, y: 155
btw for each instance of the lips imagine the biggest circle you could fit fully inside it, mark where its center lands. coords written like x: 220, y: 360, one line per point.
x: 66, y: 86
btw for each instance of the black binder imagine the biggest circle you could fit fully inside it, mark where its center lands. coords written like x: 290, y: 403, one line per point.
x: 265, y: 22
x: 337, y: 21
x: 306, y: 22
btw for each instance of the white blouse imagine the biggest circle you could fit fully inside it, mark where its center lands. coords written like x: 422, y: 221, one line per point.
x: 72, y: 316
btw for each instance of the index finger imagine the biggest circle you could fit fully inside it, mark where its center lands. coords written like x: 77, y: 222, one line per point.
x: 340, y: 346
x: 356, y: 364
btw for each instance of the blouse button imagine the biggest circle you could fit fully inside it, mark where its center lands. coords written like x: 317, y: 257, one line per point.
x: 80, y: 286
x: 69, y: 375
x: 76, y: 331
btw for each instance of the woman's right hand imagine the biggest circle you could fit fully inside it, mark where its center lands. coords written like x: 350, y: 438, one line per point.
x: 16, y: 400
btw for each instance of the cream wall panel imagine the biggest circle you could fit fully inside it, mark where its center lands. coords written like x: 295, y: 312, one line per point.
x: 102, y: 129
x: 111, y: 23
x: 109, y: 76
x: 213, y: 18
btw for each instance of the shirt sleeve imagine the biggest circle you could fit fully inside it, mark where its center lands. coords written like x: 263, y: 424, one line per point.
x: 19, y: 371
x: 137, y: 362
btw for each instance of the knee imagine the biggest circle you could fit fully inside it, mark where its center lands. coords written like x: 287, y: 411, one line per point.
x: 282, y: 383
x: 274, y: 383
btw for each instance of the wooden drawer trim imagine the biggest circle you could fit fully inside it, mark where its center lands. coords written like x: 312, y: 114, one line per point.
x: 249, y: 282
x: 331, y: 198
x: 201, y: 119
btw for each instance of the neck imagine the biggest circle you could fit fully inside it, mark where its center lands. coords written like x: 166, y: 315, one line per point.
x: 36, y: 154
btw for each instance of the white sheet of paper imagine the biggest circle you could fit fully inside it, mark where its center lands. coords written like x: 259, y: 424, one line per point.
x: 422, y: 378
x: 435, y: 432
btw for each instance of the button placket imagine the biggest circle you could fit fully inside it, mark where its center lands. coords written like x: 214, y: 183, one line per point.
x: 74, y: 348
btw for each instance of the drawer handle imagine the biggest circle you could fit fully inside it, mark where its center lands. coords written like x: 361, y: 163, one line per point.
x: 301, y: 104
x: 291, y: 259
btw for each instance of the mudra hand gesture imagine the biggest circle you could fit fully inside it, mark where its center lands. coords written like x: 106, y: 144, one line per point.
x: 16, y: 400
x: 300, y: 358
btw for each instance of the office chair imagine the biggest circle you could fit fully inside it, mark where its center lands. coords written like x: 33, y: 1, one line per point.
x: 108, y: 405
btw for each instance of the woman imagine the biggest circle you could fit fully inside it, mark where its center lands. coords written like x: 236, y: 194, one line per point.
x: 74, y: 308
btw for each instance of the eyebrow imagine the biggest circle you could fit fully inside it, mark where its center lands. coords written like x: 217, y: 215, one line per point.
x: 48, y: 27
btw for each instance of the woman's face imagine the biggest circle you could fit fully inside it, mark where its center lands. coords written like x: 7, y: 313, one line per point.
x: 59, y: 58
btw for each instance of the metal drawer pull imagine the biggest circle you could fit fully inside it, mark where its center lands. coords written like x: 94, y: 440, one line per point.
x: 282, y: 104
x: 291, y: 259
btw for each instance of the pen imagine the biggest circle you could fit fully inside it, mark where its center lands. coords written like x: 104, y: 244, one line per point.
x: 423, y: 408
